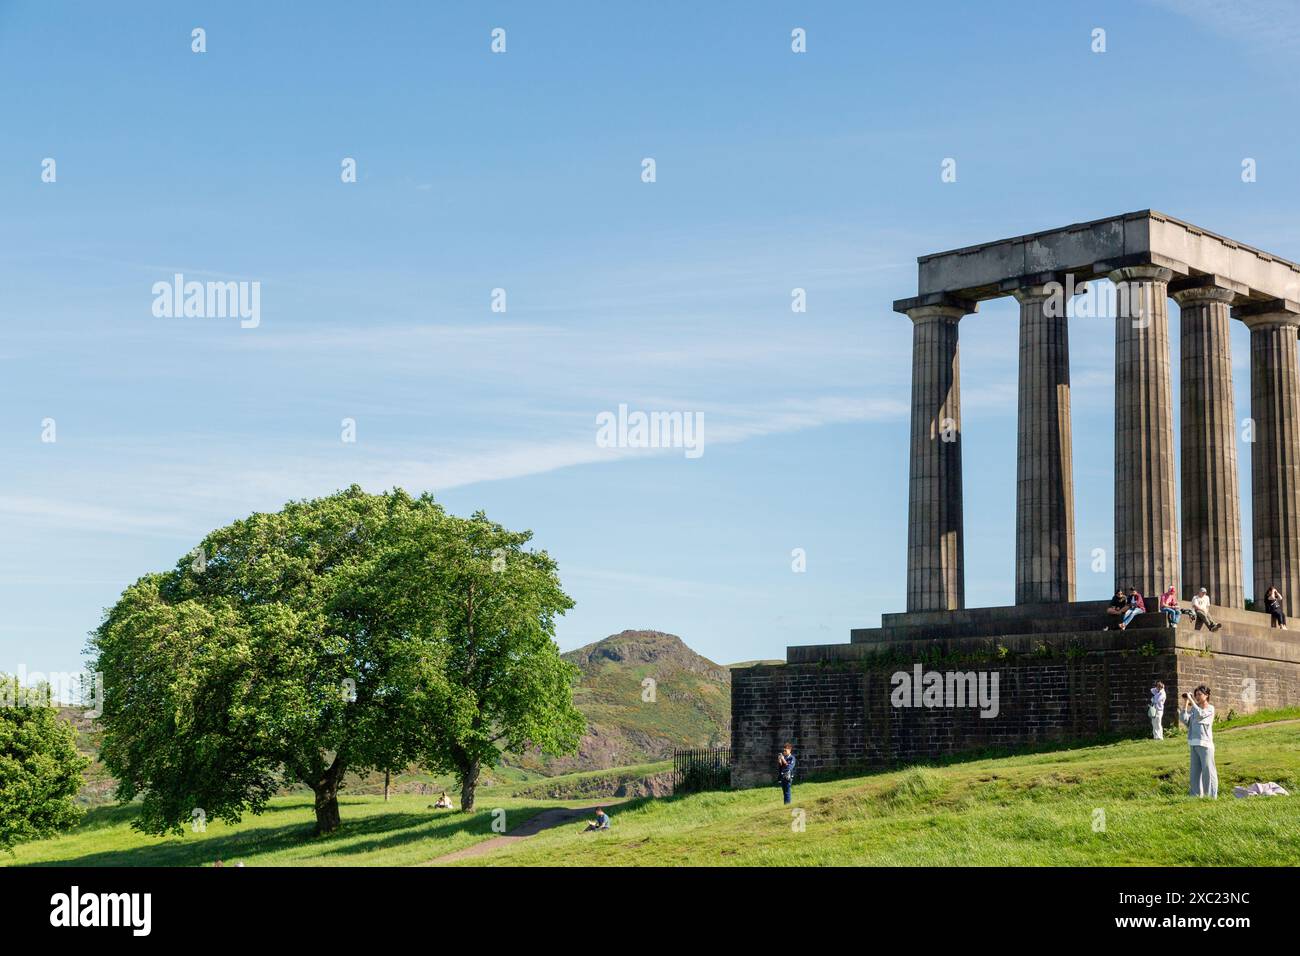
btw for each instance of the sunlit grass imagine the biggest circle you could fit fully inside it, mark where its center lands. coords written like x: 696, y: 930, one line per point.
x: 1120, y: 804
x: 1116, y: 804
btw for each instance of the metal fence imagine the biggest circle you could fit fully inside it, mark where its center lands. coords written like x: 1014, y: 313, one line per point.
x: 704, y: 769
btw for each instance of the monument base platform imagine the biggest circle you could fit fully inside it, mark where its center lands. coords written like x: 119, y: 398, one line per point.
x: 931, y: 684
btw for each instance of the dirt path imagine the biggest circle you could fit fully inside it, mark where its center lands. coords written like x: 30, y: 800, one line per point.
x: 546, y: 820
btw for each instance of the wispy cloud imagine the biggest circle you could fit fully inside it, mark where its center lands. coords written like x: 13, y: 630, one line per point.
x: 1264, y: 26
x: 182, y: 491
x: 65, y: 513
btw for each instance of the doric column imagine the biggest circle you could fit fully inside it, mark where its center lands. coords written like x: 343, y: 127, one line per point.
x: 1044, y: 460
x: 1211, y: 510
x: 1275, y: 454
x: 1146, y: 513
x: 935, y: 574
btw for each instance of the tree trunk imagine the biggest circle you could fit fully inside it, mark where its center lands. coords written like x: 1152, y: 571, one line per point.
x: 468, y: 781
x: 387, y: 778
x: 327, y: 798
x: 327, y: 808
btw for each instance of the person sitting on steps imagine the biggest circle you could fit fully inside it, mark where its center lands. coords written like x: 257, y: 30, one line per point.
x: 1201, y: 608
x: 1136, y: 606
x: 1169, y: 607
x: 1273, y: 604
x: 1118, y: 605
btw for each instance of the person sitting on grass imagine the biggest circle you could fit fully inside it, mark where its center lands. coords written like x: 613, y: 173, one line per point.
x: 1136, y: 606
x: 600, y: 823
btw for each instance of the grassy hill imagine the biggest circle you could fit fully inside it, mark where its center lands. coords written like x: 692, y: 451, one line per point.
x: 691, y: 705
x: 1032, y: 809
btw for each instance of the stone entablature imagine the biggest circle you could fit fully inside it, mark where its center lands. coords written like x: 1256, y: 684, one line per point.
x: 1091, y: 250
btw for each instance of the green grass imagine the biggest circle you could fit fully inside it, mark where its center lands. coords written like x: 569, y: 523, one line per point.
x: 1031, y: 809
x: 402, y: 832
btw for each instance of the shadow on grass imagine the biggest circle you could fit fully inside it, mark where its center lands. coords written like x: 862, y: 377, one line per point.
x: 477, y: 822
x: 386, y: 831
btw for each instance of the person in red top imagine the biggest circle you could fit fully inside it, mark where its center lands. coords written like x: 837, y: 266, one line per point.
x: 1136, y: 606
x: 1169, y: 607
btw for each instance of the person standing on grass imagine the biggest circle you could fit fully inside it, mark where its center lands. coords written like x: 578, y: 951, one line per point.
x: 1273, y: 603
x: 1201, y: 608
x: 1156, y: 710
x: 785, y: 766
x: 1198, y: 715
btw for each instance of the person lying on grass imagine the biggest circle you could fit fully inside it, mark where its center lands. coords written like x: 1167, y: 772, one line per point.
x: 600, y: 823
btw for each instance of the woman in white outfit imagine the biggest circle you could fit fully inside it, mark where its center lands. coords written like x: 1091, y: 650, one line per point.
x: 1156, y: 710
x: 1198, y: 715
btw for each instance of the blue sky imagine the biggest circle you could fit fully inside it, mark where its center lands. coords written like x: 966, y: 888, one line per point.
x: 522, y: 171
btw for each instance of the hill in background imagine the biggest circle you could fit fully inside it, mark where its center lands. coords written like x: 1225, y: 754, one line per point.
x: 689, y: 704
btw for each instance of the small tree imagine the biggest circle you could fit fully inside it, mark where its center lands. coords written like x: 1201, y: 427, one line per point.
x: 40, y: 767
x: 495, y: 604
x: 257, y: 659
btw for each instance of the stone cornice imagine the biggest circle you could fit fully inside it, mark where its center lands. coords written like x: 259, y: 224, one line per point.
x: 1089, y: 250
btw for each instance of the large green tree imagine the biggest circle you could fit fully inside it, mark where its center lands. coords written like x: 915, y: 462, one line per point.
x: 257, y: 659
x: 495, y: 602
x: 40, y: 767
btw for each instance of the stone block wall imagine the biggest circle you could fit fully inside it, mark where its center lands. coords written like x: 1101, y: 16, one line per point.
x: 838, y: 712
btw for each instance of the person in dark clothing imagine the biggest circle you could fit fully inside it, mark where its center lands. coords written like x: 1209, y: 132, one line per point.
x: 1118, y: 605
x: 1273, y: 603
x: 785, y: 765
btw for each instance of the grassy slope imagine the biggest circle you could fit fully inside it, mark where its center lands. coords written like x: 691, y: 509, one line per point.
x: 1027, y: 810
x: 402, y: 832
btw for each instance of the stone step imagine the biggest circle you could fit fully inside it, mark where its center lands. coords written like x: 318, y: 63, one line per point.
x: 1239, y: 640
x: 1092, y: 640
x: 991, y: 627
x: 1044, y: 618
